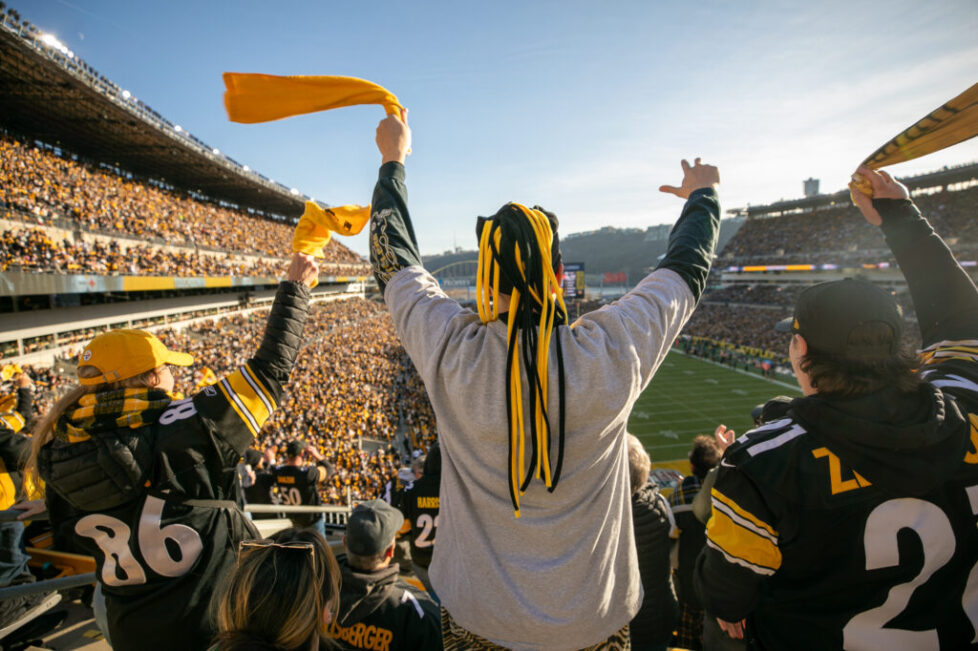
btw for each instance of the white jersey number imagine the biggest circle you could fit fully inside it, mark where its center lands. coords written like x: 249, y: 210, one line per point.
x: 868, y: 630
x: 121, y: 567
x: 290, y: 497
x: 179, y: 410
x: 428, y: 525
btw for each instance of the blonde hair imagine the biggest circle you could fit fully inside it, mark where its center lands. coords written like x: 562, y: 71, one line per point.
x: 639, y: 463
x: 277, y: 596
x: 43, y: 431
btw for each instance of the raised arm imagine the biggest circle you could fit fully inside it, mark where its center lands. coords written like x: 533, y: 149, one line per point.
x: 237, y: 406
x: 694, y: 237
x: 944, y: 297
x: 393, y: 245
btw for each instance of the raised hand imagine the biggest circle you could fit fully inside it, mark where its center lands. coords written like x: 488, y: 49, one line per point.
x: 883, y: 186
x: 695, y: 177
x: 724, y: 437
x: 394, y: 138
x: 304, y: 269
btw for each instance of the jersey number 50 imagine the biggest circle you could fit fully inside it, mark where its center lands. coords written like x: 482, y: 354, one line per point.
x: 120, y: 566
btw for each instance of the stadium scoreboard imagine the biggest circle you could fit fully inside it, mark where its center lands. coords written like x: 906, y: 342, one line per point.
x: 573, y: 280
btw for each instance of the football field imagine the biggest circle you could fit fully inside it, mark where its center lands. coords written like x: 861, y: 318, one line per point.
x: 690, y: 396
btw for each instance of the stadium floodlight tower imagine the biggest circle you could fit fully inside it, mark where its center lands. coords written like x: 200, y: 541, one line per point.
x: 811, y: 187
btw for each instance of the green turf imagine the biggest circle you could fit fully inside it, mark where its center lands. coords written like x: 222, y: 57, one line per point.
x: 689, y: 396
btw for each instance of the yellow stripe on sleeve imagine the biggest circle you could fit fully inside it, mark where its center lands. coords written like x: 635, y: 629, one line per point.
x: 742, y: 545
x: 729, y: 503
x: 13, y: 421
x: 256, y: 405
x: 239, y: 409
x: 261, y: 387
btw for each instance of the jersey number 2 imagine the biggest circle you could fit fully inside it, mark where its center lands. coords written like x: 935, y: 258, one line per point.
x: 428, y: 525
x: 867, y: 629
x: 112, y: 536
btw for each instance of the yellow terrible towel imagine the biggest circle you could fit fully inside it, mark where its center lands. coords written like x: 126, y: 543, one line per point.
x: 252, y: 98
x: 947, y: 125
x: 317, y: 225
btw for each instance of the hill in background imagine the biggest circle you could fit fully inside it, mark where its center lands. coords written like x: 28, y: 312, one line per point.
x: 606, y: 250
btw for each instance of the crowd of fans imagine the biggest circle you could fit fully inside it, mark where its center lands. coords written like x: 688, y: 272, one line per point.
x: 840, y: 236
x: 31, y: 249
x: 40, y: 186
x: 352, y: 380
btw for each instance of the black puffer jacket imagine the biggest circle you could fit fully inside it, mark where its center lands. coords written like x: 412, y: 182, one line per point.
x: 655, y: 622
x: 154, y: 504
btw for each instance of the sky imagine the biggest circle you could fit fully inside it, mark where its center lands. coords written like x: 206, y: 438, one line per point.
x: 585, y: 108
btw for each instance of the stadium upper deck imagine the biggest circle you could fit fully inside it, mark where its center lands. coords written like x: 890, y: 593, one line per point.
x: 103, y: 200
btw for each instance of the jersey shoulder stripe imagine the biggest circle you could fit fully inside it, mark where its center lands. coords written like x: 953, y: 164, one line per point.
x: 766, y: 438
x: 248, y: 397
x: 742, y: 538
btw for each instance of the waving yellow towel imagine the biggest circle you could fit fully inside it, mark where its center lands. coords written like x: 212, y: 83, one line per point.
x: 252, y: 98
x: 317, y: 225
x: 948, y: 124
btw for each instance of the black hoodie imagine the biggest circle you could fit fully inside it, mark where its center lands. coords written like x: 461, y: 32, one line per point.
x: 380, y: 612
x: 852, y: 522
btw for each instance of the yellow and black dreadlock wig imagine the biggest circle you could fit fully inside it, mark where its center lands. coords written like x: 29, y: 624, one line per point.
x: 519, y: 255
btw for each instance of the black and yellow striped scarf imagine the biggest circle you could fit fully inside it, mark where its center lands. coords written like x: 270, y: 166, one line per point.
x: 110, y: 410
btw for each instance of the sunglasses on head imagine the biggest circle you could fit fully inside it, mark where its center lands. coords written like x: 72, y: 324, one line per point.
x: 251, y: 545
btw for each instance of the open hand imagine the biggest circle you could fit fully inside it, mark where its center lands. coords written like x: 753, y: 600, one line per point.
x: 695, y: 177
x: 724, y: 437
x: 884, y: 187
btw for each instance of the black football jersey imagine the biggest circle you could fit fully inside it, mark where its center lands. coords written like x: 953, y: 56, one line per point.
x: 419, y: 504
x: 299, y: 486
x: 853, y: 522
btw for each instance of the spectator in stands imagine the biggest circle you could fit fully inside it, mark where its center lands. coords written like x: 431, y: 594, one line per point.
x: 691, y: 537
x: 282, y: 594
x: 14, y: 449
x: 377, y: 610
x: 506, y: 535
x: 420, y: 504
x: 851, y: 524
x: 41, y: 187
x: 652, y: 627
x: 297, y: 484
x: 257, y: 488
x: 123, y: 453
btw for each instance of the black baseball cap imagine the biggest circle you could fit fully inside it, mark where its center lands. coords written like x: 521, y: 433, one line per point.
x: 295, y: 447
x: 774, y: 409
x: 827, y: 313
x: 371, y: 527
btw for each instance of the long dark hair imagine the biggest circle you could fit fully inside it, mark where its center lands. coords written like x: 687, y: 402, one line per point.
x: 863, y: 370
x: 518, y: 252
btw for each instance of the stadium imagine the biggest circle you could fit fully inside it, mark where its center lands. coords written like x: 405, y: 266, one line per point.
x: 115, y: 217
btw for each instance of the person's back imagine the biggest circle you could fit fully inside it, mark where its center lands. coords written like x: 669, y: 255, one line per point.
x: 652, y: 627
x: 297, y: 484
x: 852, y: 522
x: 420, y: 503
x: 525, y: 563
x: 147, y: 483
x: 377, y: 610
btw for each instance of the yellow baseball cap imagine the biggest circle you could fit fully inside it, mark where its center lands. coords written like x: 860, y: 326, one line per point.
x: 122, y: 354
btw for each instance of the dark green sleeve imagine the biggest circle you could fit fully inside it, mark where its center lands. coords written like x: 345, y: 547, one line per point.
x: 393, y: 245
x: 693, y: 240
